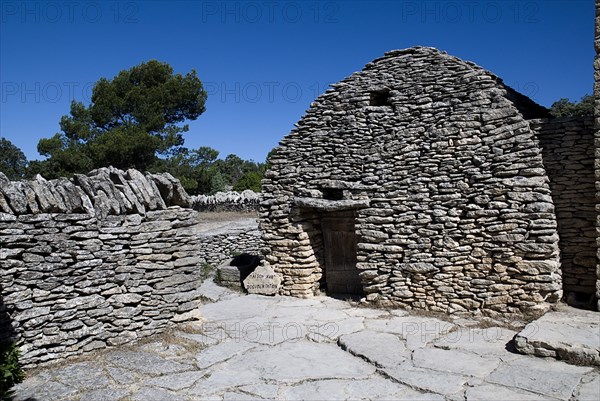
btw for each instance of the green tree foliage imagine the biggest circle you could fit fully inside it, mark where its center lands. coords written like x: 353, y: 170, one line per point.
x: 241, y: 174
x: 192, y: 167
x: 131, y: 120
x: 234, y: 168
x: 201, y: 172
x: 11, y: 372
x: 566, y: 108
x: 13, y: 162
x: 249, y: 180
x: 136, y: 120
x: 217, y: 182
x: 231, y: 167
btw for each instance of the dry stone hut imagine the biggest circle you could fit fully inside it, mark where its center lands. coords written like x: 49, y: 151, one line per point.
x: 420, y: 181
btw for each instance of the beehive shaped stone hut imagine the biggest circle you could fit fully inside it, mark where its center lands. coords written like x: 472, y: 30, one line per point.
x: 419, y: 181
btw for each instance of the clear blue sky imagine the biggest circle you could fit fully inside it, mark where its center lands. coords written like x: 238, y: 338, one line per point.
x: 263, y: 62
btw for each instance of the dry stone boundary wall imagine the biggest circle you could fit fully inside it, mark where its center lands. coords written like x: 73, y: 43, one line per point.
x: 216, y: 249
x: 100, y: 260
x: 245, y: 201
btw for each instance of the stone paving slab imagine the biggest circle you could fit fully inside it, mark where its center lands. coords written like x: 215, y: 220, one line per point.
x: 454, y: 361
x: 569, y: 334
x: 545, y: 377
x: 292, y: 362
x: 427, y: 380
x: 589, y: 391
x: 280, y: 348
x: 381, y: 349
x: 371, y: 389
x: 481, y: 341
x: 492, y: 392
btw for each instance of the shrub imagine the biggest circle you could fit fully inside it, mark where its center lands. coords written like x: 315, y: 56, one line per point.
x: 11, y: 372
x: 207, y: 270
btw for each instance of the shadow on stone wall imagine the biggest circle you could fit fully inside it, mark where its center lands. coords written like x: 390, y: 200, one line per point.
x: 7, y: 336
x: 568, y: 154
x: 311, y: 224
x: 7, y: 332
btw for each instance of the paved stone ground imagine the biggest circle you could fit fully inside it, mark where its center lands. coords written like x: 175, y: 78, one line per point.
x: 279, y: 348
x: 568, y: 334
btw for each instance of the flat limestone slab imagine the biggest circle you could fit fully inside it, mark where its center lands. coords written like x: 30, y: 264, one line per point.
x: 214, y: 293
x: 376, y: 388
x: 491, y: 392
x: 454, y: 361
x: 481, y: 341
x: 287, y: 362
x: 48, y: 391
x: 590, y: 391
x: 570, y: 334
x: 154, y: 394
x: 104, y: 394
x: 382, y: 349
x: 145, y: 363
x: 418, y: 331
x: 222, y: 352
x: 427, y: 380
x: 551, y: 379
x: 236, y: 309
x: 83, y: 375
x: 175, y: 381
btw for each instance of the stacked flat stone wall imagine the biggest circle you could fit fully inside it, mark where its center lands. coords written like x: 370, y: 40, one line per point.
x: 597, y: 137
x: 568, y: 153
x: 73, y: 283
x: 100, y: 260
x: 245, y: 201
x: 216, y: 249
x: 446, y: 179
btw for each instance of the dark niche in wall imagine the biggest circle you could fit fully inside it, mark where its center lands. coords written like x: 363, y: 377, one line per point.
x: 332, y: 193
x: 380, y: 98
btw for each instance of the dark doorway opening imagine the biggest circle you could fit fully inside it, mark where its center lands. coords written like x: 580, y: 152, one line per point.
x: 339, y: 248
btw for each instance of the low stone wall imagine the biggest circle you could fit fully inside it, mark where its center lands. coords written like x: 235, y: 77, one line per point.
x: 246, y: 201
x: 102, y: 260
x: 568, y: 154
x: 72, y: 283
x: 220, y: 248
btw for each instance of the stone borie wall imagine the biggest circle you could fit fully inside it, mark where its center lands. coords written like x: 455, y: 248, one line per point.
x: 453, y: 205
x: 116, y: 261
x: 568, y: 153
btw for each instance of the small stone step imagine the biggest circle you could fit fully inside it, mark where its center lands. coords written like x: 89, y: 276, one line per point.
x: 570, y: 334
